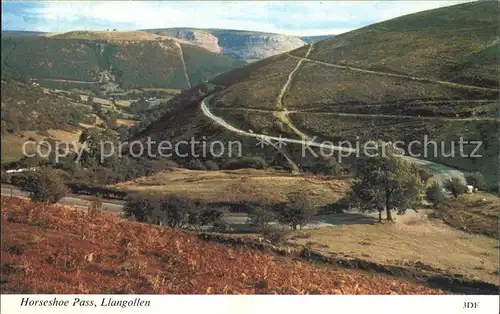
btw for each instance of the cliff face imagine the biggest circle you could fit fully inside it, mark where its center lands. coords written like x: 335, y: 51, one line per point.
x: 242, y: 45
x: 200, y: 38
x: 252, y: 46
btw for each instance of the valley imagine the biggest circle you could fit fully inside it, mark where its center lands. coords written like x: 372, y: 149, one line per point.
x: 300, y: 206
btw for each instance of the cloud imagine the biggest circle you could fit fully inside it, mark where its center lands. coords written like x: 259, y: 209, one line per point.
x: 289, y: 17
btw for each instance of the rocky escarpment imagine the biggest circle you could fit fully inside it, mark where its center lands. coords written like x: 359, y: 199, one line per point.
x: 198, y: 37
x: 242, y: 45
x: 252, y: 46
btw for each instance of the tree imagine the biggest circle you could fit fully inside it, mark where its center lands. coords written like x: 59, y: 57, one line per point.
x: 96, y: 108
x: 425, y: 175
x: 220, y: 225
x: 434, y: 194
x: 475, y: 179
x: 175, y: 210
x: 83, y: 136
x: 455, y: 186
x: 45, y: 186
x: 141, y: 206
x: 298, y: 211
x: 260, y: 217
x: 387, y: 183
x: 97, y: 145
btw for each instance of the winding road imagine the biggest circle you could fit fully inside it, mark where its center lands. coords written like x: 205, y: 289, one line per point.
x: 441, y: 172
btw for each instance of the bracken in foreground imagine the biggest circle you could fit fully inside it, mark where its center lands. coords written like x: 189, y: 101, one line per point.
x: 55, y: 249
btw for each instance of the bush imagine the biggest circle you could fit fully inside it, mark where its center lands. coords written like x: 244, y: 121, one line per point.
x: 211, y: 165
x: 141, y: 206
x: 274, y: 236
x: 196, y: 164
x: 327, y: 167
x: 260, y: 217
x: 246, y: 162
x: 211, y: 215
x: 175, y: 210
x: 425, y: 175
x: 434, y: 194
x: 475, y: 179
x: 95, y: 207
x: 45, y: 186
x: 455, y: 186
x: 298, y: 211
x: 221, y: 225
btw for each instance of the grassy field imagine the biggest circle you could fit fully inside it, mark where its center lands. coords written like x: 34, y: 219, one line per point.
x: 238, y: 185
x: 413, y: 238
x: 12, y: 145
x: 476, y: 213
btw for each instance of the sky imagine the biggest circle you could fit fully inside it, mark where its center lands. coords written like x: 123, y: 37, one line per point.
x: 300, y: 18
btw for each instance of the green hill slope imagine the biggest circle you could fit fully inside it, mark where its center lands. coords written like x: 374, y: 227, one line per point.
x: 116, y: 64
x: 455, y: 43
x: 431, y: 73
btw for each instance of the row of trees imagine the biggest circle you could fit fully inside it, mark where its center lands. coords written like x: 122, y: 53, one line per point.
x: 181, y: 212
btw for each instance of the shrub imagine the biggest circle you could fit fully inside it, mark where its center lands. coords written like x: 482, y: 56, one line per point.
x: 211, y: 165
x: 196, y: 164
x: 45, y: 186
x: 95, y: 207
x: 425, y: 175
x: 327, y: 167
x: 141, y: 206
x: 434, y: 194
x: 221, y: 225
x: 455, y: 186
x: 260, y: 217
x: 297, y: 211
x: 274, y: 236
x: 211, y: 215
x: 475, y: 179
x: 175, y: 210
x: 246, y: 162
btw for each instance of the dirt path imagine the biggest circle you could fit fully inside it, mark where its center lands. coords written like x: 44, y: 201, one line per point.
x: 63, y: 80
x: 368, y: 115
x: 284, y: 89
x: 184, y: 68
x: 409, y: 77
x: 283, y: 114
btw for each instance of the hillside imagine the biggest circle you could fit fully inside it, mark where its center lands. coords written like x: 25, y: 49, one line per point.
x: 110, y: 61
x: 426, y: 74
x: 117, y: 36
x: 311, y: 39
x: 242, y: 45
x: 21, y: 33
x: 72, y: 251
x: 30, y: 113
x: 458, y: 43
